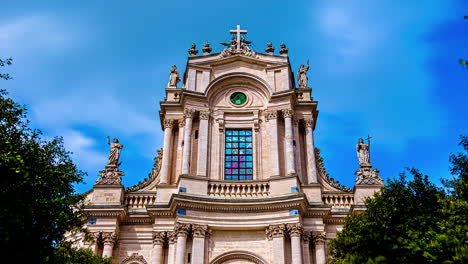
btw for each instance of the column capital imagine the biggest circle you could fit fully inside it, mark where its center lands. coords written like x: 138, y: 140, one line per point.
x: 96, y: 236
x: 159, y: 237
x: 306, y: 236
x: 319, y: 237
x: 309, y: 122
x: 110, y: 238
x: 168, y: 123
x: 295, y: 230
x: 171, y: 237
x: 275, y: 231
x: 181, y: 122
x: 204, y: 114
x: 272, y: 114
x: 181, y: 229
x: 188, y: 112
x: 199, y: 230
x: 287, y: 112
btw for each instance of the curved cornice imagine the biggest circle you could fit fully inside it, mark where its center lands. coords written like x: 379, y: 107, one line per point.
x: 233, y: 75
x: 238, y: 254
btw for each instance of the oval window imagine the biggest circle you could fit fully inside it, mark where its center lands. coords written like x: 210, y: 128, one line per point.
x: 238, y: 98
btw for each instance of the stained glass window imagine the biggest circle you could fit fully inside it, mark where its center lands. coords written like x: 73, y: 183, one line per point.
x: 238, y: 162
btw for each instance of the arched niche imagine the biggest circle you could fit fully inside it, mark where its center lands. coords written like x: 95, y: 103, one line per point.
x: 256, y: 89
x: 134, y: 259
x: 238, y: 256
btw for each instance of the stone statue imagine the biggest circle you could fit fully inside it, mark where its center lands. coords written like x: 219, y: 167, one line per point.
x: 302, y: 75
x: 174, y: 78
x: 363, y: 153
x: 114, y: 153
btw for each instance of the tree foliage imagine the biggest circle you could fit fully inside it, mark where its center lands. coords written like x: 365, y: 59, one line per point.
x: 65, y: 254
x: 3, y: 63
x: 410, y: 222
x: 38, y: 203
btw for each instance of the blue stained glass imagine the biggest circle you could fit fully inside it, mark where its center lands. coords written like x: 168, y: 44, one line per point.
x: 227, y: 171
x: 235, y: 158
x: 228, y: 139
x: 242, y: 171
x: 235, y: 177
x: 248, y: 145
x: 228, y: 151
x: 242, y: 139
x: 235, y: 132
x: 234, y: 171
x: 228, y: 177
x: 242, y: 177
x: 248, y: 158
x: 238, y: 155
x: 242, y: 158
x: 248, y: 151
x: 248, y: 164
x: 234, y: 151
x: 249, y: 177
x: 235, y: 139
x: 235, y: 145
x: 234, y: 164
x: 248, y: 139
x: 249, y: 171
x: 242, y: 133
x: 228, y: 158
x: 228, y: 145
x: 228, y: 132
x: 242, y: 151
x: 242, y: 164
x: 248, y: 132
x: 228, y: 164
x: 241, y: 145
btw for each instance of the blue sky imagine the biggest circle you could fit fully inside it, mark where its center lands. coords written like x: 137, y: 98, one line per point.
x: 88, y: 69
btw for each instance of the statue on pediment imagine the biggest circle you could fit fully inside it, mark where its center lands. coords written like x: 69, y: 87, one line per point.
x: 114, y: 153
x: 363, y: 152
x: 302, y: 75
x: 174, y: 77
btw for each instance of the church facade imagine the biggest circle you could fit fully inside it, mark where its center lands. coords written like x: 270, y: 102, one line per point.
x: 238, y: 179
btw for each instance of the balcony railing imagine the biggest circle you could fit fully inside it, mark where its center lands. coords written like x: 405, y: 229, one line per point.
x: 338, y: 200
x: 250, y: 189
x: 139, y: 200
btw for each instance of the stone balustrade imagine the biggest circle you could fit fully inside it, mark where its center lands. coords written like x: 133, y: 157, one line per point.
x: 250, y: 189
x: 338, y: 200
x: 139, y: 200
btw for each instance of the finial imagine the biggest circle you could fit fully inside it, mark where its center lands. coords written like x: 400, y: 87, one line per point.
x: 270, y: 49
x: 193, y: 51
x: 206, y: 49
x: 283, y: 51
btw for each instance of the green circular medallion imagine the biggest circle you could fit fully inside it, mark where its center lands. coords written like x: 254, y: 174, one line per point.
x: 238, y: 98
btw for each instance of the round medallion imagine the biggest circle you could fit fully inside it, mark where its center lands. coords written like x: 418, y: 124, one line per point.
x: 238, y: 98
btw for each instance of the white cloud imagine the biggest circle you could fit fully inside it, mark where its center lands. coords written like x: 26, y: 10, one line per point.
x: 83, y: 150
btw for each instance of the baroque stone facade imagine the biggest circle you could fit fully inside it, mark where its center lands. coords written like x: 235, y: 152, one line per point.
x: 238, y: 178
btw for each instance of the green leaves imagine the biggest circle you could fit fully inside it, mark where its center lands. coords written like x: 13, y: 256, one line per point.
x: 410, y: 221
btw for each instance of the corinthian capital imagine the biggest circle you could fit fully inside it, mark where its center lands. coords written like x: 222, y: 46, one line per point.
x: 295, y: 229
x: 309, y: 122
x: 188, y: 112
x: 181, y: 122
x: 110, y: 237
x: 199, y: 230
x: 204, y: 114
x: 287, y: 113
x: 171, y: 237
x: 181, y: 229
x: 271, y: 115
x: 319, y: 237
x: 159, y: 237
x: 168, y: 123
x: 275, y: 231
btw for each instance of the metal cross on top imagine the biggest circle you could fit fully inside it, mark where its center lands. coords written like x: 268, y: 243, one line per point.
x: 238, y: 32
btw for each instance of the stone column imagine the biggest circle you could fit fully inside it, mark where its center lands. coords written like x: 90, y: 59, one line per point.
x: 168, y: 124
x: 188, y: 114
x: 276, y: 233
x: 198, y: 244
x: 158, y: 241
x: 295, y: 233
x: 319, y: 240
x: 109, y: 239
x: 203, y: 143
x: 181, y: 231
x: 311, y: 163
x: 172, y: 240
x: 306, y: 247
x: 95, y: 243
x: 288, y: 140
x: 271, y: 117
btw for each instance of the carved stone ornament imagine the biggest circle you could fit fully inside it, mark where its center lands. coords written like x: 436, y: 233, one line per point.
x: 204, y: 114
x: 188, y: 113
x: 302, y: 75
x: 295, y: 229
x: 306, y: 236
x: 181, y: 229
x: 283, y: 51
x: 110, y: 237
x: 199, y: 230
x: 168, y: 123
x: 110, y: 175
x: 287, y: 113
x: 114, y: 153
x: 159, y: 237
x: 319, y: 237
x: 238, y: 45
x: 135, y: 258
x: 270, y: 49
x: 275, y: 231
x: 193, y: 50
x: 154, y: 173
x: 309, y: 122
x: 174, y: 77
x: 206, y: 49
x: 366, y: 176
x: 271, y: 115
x: 96, y: 236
